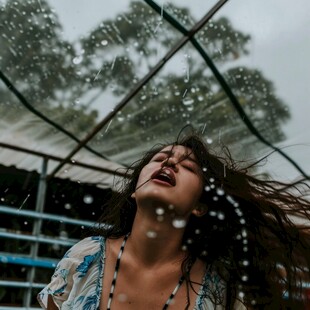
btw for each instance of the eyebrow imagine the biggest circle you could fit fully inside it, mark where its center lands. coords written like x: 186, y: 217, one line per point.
x: 183, y: 157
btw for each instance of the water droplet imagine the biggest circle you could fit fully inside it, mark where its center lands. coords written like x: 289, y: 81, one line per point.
x: 211, y: 180
x: 25, y: 223
x: 241, y: 294
x: 245, y: 263
x: 244, y: 233
x: 120, y: 116
x: 160, y: 218
x: 160, y: 211
x: 209, y: 141
x: 253, y: 302
x: 67, y: 206
x: 188, y: 101
x: 122, y: 297
x: 190, y: 108
x: 200, y: 98
x: 215, y: 198
x: 220, y: 191
x: 171, y: 207
x: 104, y: 42
x: 207, y: 188
x: 212, y: 213
x: 204, y: 253
x: 77, y: 60
x: 151, y: 234
x: 242, y: 221
x: 178, y: 222
x: 204, y: 169
x: 184, y: 248
x: 245, y: 249
x: 197, y: 231
x: 221, y: 216
x: 245, y: 278
x: 189, y: 241
x: 88, y: 199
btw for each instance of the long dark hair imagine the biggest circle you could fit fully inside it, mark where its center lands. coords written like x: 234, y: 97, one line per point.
x: 249, y: 236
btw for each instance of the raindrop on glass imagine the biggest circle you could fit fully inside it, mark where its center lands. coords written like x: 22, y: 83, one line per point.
x: 188, y: 101
x: 77, y: 60
x: 120, y: 117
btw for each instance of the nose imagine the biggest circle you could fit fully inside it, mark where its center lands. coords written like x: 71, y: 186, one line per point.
x: 170, y: 162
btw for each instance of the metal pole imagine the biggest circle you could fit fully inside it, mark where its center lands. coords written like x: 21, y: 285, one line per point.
x: 36, y: 230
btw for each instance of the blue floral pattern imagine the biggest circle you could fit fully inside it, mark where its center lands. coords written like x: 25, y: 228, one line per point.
x: 77, y: 280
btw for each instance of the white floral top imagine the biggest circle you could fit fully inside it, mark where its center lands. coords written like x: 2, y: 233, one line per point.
x: 77, y: 280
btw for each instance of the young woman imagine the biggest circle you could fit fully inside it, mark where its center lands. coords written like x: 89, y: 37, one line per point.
x: 190, y: 230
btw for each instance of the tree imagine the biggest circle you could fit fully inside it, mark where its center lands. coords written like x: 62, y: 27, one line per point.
x: 56, y: 74
x: 174, y: 98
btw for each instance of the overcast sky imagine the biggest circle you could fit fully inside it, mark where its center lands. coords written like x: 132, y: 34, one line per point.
x: 280, y: 47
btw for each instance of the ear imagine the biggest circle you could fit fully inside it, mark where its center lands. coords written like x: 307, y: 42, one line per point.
x: 200, y: 210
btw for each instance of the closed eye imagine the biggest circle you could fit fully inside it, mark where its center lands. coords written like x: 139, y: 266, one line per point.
x: 189, y: 166
x: 159, y: 158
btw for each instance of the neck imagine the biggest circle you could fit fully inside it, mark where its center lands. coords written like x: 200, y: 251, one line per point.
x: 153, y: 242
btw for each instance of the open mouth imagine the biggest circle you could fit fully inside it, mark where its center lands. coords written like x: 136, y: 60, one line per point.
x: 164, y: 175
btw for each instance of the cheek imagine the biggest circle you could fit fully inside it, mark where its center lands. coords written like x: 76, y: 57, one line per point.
x: 143, y: 177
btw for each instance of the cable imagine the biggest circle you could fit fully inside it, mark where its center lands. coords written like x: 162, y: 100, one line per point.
x: 222, y: 82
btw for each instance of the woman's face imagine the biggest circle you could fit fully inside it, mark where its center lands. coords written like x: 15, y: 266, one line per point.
x: 171, y: 180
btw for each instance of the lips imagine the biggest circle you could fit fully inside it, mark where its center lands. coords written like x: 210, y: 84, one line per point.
x: 165, y: 175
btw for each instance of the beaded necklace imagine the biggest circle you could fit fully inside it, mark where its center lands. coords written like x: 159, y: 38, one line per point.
x: 117, y: 265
